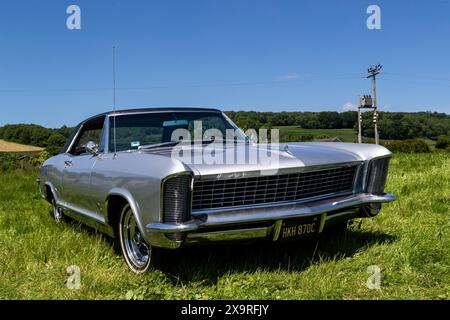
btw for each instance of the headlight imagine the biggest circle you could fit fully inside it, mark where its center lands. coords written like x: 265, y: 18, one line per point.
x: 177, y: 201
x: 377, y: 175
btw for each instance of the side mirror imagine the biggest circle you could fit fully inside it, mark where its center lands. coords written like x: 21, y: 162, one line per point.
x: 92, y: 148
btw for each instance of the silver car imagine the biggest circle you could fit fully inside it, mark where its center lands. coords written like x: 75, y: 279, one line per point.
x: 142, y: 177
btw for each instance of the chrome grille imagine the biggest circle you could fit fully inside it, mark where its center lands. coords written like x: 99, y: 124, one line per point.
x: 268, y: 189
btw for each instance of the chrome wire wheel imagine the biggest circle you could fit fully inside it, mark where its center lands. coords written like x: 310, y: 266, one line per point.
x: 136, y: 251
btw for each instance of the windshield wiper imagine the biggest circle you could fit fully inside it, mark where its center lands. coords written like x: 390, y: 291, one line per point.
x: 174, y: 143
x: 158, y: 145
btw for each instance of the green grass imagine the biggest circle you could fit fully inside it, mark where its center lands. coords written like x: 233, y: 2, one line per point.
x: 409, y: 241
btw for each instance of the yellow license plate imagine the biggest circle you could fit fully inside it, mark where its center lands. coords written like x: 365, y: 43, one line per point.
x: 299, y: 228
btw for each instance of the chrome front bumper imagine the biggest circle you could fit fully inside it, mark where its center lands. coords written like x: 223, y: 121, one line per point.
x: 236, y: 220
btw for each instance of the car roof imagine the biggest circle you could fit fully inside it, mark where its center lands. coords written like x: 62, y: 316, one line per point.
x: 150, y: 110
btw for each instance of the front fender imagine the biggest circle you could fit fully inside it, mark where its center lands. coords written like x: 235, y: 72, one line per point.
x: 131, y: 201
x: 52, y: 189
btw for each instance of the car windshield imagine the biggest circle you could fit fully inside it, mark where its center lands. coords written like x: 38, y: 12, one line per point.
x: 134, y: 131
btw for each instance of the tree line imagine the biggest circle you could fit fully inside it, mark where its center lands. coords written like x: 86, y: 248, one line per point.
x: 31, y: 134
x: 392, y: 126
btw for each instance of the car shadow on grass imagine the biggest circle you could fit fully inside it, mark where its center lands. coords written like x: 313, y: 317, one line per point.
x: 208, y: 263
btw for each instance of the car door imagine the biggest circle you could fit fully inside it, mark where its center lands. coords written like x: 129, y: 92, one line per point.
x: 78, y: 166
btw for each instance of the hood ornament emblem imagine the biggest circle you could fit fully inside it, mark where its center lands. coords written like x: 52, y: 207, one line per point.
x: 286, y: 149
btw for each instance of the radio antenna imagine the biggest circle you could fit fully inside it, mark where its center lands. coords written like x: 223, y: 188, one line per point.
x: 114, y: 100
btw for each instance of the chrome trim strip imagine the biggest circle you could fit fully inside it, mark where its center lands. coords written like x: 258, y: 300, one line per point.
x: 86, y: 217
x: 82, y: 212
x: 337, y: 215
x: 75, y: 137
x: 161, y: 241
x: 281, y: 171
x: 134, y: 112
x: 173, y: 228
x: 229, y: 235
x: 268, y: 214
x: 105, y: 134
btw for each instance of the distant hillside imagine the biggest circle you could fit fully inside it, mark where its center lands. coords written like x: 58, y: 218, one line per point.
x: 35, y: 135
x: 392, y: 126
x: 12, y: 147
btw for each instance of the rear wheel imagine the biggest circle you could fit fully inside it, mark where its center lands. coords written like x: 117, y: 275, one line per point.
x: 138, y: 254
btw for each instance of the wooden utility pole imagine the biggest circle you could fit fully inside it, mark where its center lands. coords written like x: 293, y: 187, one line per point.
x: 373, y: 72
x: 364, y: 102
x: 359, y: 121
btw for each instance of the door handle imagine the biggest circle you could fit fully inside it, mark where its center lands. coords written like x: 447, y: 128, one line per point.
x: 68, y: 163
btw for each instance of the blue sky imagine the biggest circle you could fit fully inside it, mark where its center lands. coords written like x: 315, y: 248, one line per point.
x: 235, y: 55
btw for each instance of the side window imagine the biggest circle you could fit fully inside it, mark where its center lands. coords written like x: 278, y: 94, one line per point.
x: 90, y: 131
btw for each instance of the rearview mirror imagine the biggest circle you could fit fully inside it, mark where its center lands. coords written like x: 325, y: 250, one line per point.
x: 92, y: 148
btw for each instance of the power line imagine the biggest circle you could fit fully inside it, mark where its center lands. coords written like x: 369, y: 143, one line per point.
x: 418, y: 79
x: 425, y: 77
x: 180, y: 86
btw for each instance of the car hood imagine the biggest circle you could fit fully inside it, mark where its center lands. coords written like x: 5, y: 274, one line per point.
x: 272, y: 159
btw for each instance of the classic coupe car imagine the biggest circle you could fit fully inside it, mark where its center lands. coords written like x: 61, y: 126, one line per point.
x: 117, y: 173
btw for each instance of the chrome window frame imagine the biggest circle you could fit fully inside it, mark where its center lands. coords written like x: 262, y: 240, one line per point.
x: 75, y: 137
x: 105, y: 135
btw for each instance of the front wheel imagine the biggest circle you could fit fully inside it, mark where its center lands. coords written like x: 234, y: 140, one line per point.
x: 138, y: 254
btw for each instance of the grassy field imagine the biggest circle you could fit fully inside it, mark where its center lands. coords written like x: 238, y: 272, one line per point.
x: 409, y: 241
x: 18, y: 148
x: 346, y: 135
